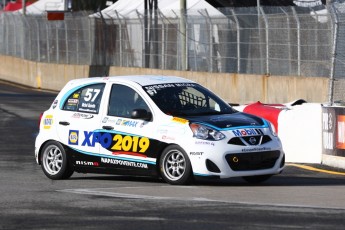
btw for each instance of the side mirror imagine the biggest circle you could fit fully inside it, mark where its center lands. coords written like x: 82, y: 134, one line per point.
x: 141, y: 114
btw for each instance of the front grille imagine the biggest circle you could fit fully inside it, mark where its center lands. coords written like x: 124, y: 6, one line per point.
x: 250, y: 140
x: 252, y: 161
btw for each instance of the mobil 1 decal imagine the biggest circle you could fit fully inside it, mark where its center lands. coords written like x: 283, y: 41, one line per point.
x: 119, y: 143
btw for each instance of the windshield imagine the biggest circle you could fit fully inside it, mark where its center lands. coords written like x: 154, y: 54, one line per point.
x: 186, y: 99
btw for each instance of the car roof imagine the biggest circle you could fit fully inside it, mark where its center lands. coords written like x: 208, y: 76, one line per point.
x: 142, y: 80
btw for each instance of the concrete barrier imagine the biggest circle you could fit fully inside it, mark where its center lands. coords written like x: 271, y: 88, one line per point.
x: 39, y: 74
x: 235, y: 88
x: 245, y: 88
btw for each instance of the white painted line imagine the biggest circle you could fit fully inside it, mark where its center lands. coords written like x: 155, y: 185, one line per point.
x: 131, y: 196
x: 97, y: 192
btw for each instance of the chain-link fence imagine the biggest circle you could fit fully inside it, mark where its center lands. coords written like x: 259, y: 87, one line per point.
x: 337, y: 76
x: 289, y: 41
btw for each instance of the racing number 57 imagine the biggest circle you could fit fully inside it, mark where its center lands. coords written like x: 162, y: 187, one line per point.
x: 91, y: 94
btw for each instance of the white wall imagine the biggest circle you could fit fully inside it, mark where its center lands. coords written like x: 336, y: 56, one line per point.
x: 300, y: 130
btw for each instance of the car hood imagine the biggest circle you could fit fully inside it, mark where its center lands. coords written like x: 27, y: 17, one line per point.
x: 237, y: 119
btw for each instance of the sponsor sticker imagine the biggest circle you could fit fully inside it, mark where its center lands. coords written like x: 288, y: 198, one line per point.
x: 127, y: 123
x: 307, y: 3
x: 73, y: 137
x: 123, y: 122
x: 247, y: 132
x: 328, y: 123
x: 87, y: 110
x: 152, y: 89
x: 54, y: 104
x: 260, y: 149
x: 124, y: 163
x: 340, y: 134
x: 87, y: 163
x: 73, y: 101
x: 116, y: 142
x: 180, y: 120
x: 48, y: 121
x: 76, y: 95
x: 82, y: 116
x: 196, y: 153
x: 167, y: 138
x: 204, y: 143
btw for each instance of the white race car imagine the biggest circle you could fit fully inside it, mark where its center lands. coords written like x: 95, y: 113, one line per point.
x: 155, y: 126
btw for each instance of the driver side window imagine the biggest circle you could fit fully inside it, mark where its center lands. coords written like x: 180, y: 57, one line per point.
x: 123, y: 100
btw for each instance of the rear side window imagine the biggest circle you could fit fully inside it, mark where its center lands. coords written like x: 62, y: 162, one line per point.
x: 86, y: 99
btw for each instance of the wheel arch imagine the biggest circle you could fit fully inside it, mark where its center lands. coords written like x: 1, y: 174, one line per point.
x: 44, y: 143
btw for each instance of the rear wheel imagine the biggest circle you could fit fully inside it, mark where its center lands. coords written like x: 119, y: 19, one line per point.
x: 256, y: 179
x: 54, y: 161
x: 175, y: 166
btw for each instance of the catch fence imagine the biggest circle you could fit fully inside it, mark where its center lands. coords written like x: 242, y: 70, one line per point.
x: 287, y: 41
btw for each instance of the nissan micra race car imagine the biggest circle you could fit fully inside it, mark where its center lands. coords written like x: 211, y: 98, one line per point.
x: 155, y: 126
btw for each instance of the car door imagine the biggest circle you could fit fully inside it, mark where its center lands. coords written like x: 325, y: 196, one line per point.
x: 132, y: 145
x: 78, y: 121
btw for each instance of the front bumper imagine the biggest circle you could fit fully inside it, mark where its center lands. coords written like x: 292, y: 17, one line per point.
x: 222, y: 160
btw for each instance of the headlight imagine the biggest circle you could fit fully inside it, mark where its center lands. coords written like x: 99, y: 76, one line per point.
x: 272, y: 128
x: 206, y: 133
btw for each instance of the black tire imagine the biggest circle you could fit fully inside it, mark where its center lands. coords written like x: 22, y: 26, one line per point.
x: 256, y: 179
x: 175, y: 166
x: 54, y: 161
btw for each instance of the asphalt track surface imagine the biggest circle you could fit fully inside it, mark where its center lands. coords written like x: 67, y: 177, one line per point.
x: 299, y: 198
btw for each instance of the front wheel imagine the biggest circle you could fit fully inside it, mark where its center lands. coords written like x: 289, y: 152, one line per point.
x: 54, y: 161
x: 175, y: 166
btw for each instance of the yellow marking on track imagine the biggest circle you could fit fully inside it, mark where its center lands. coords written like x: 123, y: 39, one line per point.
x: 316, y: 169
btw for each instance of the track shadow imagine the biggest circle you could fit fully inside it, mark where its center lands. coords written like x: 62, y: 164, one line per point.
x: 289, y: 179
